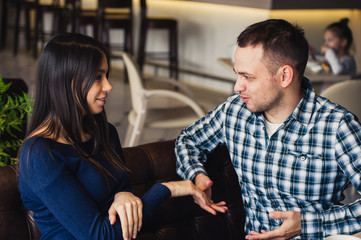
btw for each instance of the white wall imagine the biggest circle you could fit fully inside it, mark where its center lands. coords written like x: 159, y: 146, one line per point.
x: 208, y: 31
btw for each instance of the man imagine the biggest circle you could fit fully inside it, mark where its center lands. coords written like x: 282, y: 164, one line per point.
x: 294, y: 152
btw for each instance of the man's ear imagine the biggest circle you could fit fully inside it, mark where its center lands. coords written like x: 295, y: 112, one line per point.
x: 286, y: 74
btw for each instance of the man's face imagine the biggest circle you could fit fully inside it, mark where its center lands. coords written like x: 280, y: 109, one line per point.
x: 255, y: 84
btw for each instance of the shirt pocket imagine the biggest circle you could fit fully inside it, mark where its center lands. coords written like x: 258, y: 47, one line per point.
x: 302, y: 174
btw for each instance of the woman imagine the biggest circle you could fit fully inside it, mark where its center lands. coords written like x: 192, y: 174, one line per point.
x: 72, y: 174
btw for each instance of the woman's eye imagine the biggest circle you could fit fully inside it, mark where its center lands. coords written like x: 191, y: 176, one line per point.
x: 99, y: 77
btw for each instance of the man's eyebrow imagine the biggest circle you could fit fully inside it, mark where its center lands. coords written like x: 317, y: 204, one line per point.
x: 241, y: 73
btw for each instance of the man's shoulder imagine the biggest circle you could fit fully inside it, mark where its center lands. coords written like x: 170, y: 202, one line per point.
x: 327, y: 108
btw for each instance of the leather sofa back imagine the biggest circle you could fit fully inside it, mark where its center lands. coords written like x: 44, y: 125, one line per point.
x: 178, y: 218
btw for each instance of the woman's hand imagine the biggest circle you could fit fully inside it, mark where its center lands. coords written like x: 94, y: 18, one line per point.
x: 184, y: 188
x: 130, y: 211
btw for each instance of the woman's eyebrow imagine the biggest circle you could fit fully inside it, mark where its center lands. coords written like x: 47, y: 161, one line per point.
x: 102, y: 71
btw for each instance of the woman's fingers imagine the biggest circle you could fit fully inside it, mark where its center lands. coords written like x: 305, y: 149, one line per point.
x: 140, y: 216
x: 124, y: 222
x: 112, y: 215
x: 220, y: 207
x: 129, y: 208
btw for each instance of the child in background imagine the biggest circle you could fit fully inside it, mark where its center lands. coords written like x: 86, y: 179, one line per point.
x: 337, y: 43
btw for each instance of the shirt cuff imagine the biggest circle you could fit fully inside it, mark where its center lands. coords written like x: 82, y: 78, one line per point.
x: 311, y: 225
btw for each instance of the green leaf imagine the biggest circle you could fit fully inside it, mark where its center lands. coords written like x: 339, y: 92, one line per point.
x: 13, y: 112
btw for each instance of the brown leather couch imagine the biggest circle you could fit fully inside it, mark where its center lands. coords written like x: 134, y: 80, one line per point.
x: 178, y: 218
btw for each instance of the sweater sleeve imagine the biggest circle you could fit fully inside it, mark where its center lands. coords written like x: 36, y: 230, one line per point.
x: 45, y: 181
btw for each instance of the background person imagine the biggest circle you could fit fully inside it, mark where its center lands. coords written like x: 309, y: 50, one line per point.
x: 336, y: 49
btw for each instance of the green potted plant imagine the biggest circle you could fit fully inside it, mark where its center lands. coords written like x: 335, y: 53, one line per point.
x: 14, y: 111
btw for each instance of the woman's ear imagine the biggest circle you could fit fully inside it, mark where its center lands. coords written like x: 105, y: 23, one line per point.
x: 286, y: 73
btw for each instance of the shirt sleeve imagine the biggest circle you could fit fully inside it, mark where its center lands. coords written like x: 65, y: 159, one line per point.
x: 57, y: 188
x: 197, y: 140
x: 339, y: 219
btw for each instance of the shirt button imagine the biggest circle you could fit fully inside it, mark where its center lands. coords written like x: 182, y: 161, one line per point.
x: 303, y: 157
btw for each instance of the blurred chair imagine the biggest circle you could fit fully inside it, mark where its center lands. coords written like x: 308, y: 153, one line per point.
x: 115, y: 14
x: 18, y: 7
x: 31, y: 35
x: 157, y: 108
x: 158, y: 22
x: 82, y: 16
x: 53, y: 7
x: 347, y: 94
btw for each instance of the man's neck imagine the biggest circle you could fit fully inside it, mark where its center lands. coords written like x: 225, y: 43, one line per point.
x: 287, y: 105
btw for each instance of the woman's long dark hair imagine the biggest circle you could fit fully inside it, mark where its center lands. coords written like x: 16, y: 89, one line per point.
x: 66, y: 71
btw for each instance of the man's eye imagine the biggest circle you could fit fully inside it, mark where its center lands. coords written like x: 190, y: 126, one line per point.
x: 246, y: 77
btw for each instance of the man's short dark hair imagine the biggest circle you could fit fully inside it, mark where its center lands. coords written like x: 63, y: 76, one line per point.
x: 282, y: 42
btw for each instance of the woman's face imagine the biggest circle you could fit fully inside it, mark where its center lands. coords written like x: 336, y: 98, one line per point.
x: 97, y: 94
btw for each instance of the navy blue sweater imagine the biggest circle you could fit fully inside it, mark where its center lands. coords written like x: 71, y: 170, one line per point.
x: 70, y: 198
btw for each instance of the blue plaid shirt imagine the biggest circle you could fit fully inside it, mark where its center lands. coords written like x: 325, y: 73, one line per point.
x: 304, y: 166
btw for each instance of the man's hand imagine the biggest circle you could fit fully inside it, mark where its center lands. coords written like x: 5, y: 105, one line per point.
x: 291, y: 227
x: 204, y: 183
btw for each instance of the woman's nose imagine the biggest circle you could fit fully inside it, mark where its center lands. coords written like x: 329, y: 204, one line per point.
x: 107, y: 87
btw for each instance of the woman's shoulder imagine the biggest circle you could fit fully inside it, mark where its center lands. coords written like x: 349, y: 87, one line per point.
x: 38, y: 149
x: 34, y: 152
x: 36, y: 143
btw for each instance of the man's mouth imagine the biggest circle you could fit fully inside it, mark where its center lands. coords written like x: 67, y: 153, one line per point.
x: 245, y: 99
